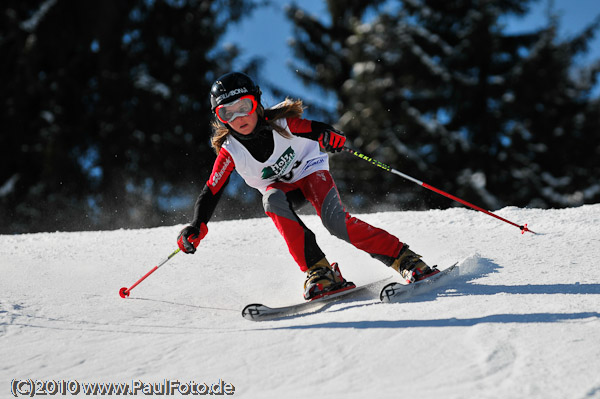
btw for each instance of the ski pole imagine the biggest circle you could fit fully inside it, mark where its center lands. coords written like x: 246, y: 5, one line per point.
x: 437, y: 190
x: 124, y: 292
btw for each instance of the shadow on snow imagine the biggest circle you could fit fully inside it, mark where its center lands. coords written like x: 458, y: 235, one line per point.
x: 451, y: 322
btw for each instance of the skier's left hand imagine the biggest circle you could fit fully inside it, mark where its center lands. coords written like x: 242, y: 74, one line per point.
x: 332, y: 140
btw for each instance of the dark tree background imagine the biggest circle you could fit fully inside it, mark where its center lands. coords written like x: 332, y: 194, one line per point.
x: 439, y: 90
x: 104, y: 108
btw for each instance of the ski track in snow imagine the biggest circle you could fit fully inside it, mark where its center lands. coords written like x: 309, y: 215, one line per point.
x: 521, y: 320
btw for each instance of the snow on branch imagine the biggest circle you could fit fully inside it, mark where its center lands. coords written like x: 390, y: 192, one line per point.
x: 31, y: 24
x: 147, y: 82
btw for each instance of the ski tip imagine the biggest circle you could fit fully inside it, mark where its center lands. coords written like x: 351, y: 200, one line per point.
x: 393, y: 291
x: 253, y: 311
x: 388, y: 292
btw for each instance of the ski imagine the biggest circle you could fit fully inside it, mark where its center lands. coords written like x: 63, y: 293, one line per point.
x: 399, y: 292
x: 393, y: 292
x: 260, y: 312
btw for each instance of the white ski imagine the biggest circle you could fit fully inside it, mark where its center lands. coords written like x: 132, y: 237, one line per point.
x: 260, y: 312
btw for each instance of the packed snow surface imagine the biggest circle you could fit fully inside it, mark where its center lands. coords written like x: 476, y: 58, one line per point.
x: 522, y: 320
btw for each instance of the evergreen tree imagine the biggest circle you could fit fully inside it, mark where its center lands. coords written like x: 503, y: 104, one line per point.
x: 551, y: 129
x: 439, y: 90
x: 105, y: 111
x: 324, y: 61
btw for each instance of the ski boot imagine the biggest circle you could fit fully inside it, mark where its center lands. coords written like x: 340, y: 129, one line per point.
x: 410, y: 266
x: 323, y: 278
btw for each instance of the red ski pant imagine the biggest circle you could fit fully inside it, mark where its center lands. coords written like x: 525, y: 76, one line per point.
x: 319, y: 189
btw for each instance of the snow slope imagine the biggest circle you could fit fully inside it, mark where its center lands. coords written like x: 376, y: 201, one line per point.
x: 521, y: 321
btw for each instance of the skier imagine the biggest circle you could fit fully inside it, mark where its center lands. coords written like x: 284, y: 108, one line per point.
x: 280, y: 154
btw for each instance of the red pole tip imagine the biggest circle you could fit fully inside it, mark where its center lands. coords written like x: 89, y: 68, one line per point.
x: 524, y: 229
x: 124, y: 292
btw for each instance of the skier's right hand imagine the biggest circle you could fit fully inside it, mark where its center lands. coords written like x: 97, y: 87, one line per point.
x: 190, y: 237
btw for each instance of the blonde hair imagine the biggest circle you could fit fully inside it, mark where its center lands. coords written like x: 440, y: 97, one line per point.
x: 287, y: 109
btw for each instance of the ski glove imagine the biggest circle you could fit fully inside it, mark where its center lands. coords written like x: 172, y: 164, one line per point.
x: 332, y: 140
x: 190, y: 237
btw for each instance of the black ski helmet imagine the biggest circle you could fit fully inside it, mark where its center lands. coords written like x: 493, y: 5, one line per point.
x: 230, y: 87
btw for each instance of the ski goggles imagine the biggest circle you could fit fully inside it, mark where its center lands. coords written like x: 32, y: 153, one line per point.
x: 243, y: 106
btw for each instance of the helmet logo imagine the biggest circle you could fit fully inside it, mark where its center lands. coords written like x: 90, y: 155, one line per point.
x: 231, y: 93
